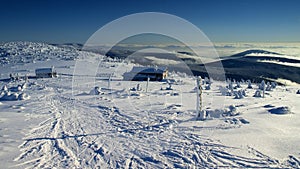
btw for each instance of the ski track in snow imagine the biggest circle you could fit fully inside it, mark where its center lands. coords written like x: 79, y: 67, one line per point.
x: 76, y: 138
x: 85, y: 131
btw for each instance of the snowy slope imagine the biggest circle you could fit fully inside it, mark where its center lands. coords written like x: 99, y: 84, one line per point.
x: 62, y: 125
x: 28, y: 52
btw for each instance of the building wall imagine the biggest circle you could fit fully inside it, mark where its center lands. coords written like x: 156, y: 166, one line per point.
x: 143, y: 76
x: 45, y: 75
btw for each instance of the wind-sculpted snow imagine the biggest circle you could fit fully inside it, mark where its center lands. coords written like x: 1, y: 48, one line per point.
x: 93, y: 132
x: 28, y: 52
x: 83, y: 123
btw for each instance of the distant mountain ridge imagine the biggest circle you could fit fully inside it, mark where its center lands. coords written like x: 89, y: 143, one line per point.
x: 254, y: 64
x: 253, y: 51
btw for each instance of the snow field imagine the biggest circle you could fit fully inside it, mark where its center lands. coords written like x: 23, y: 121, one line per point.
x: 62, y: 125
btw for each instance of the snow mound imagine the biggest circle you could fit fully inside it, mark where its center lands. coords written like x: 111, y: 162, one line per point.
x: 136, y: 94
x: 239, y: 120
x: 268, y: 106
x: 174, y: 106
x: 217, y: 113
x: 95, y: 91
x: 23, y: 96
x: 280, y: 110
x: 230, y: 115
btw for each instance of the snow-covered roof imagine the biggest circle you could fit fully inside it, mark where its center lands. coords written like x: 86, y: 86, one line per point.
x: 149, y: 69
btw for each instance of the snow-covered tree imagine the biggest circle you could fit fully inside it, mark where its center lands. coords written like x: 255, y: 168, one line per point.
x: 273, y: 84
x: 257, y: 93
x: 233, y: 111
x: 230, y: 86
x: 243, y: 92
x: 269, y: 87
x: 239, y: 94
x: 206, y: 80
x: 238, y: 85
x: 169, y: 87
x: 242, y: 81
x: 95, y: 91
x: 4, y: 88
x: 262, y: 86
x: 249, y: 84
x: 138, y: 87
x: 201, y: 114
x: 207, y: 87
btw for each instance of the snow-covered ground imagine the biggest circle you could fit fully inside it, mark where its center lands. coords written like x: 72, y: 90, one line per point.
x: 63, y: 124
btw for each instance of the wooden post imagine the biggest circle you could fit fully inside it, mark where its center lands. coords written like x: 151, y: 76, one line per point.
x: 200, y: 112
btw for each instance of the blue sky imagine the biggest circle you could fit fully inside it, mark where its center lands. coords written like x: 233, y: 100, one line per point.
x: 222, y: 21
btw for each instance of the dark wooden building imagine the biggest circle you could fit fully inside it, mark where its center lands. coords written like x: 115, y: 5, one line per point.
x: 143, y: 73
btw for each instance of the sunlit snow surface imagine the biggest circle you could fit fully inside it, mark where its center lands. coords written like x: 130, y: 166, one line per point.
x: 61, y: 125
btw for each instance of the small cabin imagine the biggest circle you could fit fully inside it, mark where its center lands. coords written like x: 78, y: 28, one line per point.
x: 143, y: 73
x: 45, y: 73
